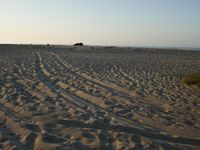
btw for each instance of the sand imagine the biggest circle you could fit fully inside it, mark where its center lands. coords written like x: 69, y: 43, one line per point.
x: 65, y: 97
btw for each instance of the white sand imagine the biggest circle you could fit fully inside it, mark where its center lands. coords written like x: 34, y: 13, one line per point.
x: 97, y: 98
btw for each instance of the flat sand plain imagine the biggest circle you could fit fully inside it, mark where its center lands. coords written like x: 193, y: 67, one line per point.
x: 64, y: 97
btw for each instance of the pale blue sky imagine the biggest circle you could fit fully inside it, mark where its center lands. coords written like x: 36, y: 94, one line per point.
x: 174, y: 23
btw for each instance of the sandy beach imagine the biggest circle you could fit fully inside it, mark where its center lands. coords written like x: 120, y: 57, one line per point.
x: 66, y: 97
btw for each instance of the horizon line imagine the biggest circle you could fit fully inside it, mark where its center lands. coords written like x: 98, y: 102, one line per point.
x: 102, y: 45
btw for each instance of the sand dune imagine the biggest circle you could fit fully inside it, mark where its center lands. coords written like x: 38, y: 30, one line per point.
x: 97, y: 98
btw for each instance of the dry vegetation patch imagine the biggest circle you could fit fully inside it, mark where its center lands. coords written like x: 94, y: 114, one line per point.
x: 193, y: 80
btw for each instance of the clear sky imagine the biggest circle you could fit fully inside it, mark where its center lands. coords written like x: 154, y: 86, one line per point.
x: 171, y: 23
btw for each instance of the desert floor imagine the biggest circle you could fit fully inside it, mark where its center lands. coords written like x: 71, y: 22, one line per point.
x: 65, y: 97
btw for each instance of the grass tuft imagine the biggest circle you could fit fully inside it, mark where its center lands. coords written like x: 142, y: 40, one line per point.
x: 192, y: 80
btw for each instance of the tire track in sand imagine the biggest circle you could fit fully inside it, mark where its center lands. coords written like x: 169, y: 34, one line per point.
x: 123, y: 121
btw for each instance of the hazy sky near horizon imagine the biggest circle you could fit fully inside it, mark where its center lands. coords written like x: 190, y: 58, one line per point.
x: 173, y: 23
